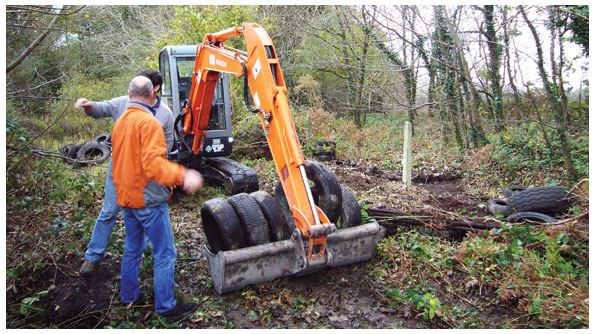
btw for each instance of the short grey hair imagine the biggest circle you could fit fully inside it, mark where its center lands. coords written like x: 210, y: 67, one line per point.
x: 140, y: 86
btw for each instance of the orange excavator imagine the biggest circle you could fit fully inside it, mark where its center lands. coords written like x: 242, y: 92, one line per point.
x: 253, y: 238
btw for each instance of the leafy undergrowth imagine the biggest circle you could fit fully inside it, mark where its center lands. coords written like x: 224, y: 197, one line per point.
x: 518, y: 276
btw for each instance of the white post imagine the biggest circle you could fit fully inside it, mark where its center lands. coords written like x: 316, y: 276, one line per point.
x: 407, y: 158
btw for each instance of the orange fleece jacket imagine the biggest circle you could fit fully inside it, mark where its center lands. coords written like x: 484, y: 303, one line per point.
x: 138, y: 157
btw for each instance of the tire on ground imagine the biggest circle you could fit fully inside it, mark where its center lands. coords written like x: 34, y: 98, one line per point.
x: 351, y: 212
x: 328, y: 189
x: 530, y: 216
x: 510, y: 191
x: 104, y: 138
x: 69, y: 151
x: 256, y: 229
x: 92, y: 153
x: 278, y: 228
x: 552, y: 199
x: 497, y: 207
x: 324, y: 157
x: 222, y: 225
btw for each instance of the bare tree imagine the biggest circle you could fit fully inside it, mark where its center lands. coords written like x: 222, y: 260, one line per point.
x: 555, y: 102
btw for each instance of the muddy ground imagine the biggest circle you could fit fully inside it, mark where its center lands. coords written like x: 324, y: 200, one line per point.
x: 343, y: 297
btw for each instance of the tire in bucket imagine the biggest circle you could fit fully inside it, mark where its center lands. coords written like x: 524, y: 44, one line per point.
x: 222, y: 225
x: 254, y: 224
x: 282, y: 201
x: 328, y: 189
x: 278, y: 228
x: 92, y: 153
x: 351, y: 212
x: 552, y: 199
x: 497, y: 207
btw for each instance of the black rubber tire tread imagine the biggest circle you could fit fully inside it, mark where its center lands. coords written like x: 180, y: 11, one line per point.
x: 221, y: 225
x: 284, y: 205
x: 256, y: 229
x: 325, y: 143
x: 328, y: 189
x: 278, y: 228
x: 104, y: 138
x: 324, y: 157
x: 69, y: 151
x: 497, y: 206
x: 552, y: 199
x: 510, y: 191
x: 323, y: 151
x: 531, y: 216
x: 89, y: 147
x: 351, y: 212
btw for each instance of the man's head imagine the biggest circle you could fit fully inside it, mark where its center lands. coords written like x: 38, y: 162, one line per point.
x: 140, y: 90
x: 155, y: 77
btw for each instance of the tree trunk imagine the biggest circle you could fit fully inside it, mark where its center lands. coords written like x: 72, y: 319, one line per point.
x: 554, y: 101
x: 494, y: 65
x: 477, y: 133
x: 517, y: 99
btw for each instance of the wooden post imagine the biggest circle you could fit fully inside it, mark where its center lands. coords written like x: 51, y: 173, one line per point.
x: 407, y: 158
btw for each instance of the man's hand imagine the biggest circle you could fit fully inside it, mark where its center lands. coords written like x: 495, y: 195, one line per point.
x: 84, y: 103
x: 193, y: 181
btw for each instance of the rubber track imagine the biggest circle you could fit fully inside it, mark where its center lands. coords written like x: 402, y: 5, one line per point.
x: 539, y: 199
x: 243, y: 178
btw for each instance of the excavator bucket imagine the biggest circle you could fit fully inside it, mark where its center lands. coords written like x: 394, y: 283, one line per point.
x: 235, y: 269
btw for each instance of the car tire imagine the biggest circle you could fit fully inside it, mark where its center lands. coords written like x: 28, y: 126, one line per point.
x: 221, y: 225
x: 552, y: 199
x: 284, y: 205
x: 278, y: 228
x: 252, y: 219
x: 104, y: 138
x: 327, y: 188
x: 510, y: 191
x: 351, y: 212
x: 69, y: 151
x: 497, y: 207
x: 92, y: 153
x: 531, y: 216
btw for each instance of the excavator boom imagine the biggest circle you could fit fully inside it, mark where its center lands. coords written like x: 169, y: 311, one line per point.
x: 259, y: 66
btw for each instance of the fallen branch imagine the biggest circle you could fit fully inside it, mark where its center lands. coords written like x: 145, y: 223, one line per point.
x: 463, y: 223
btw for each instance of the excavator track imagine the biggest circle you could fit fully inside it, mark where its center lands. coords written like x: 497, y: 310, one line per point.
x: 232, y: 175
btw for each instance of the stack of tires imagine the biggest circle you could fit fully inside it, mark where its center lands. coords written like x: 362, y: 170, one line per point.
x: 94, y: 152
x: 324, y: 150
x: 246, y: 220
x: 536, y: 204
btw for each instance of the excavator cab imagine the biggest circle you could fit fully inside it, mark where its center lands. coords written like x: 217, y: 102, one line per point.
x: 176, y: 64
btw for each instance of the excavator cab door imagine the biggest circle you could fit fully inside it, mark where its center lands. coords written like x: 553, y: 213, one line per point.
x: 176, y: 64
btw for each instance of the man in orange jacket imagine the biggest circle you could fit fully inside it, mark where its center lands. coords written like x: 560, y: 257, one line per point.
x: 143, y: 176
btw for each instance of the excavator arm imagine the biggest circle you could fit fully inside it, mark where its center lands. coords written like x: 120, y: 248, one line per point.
x: 262, y: 75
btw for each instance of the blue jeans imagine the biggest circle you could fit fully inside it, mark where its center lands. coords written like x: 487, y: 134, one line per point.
x: 155, y: 223
x: 105, y: 222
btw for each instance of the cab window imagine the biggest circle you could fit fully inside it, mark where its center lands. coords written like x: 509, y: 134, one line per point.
x: 164, y: 69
